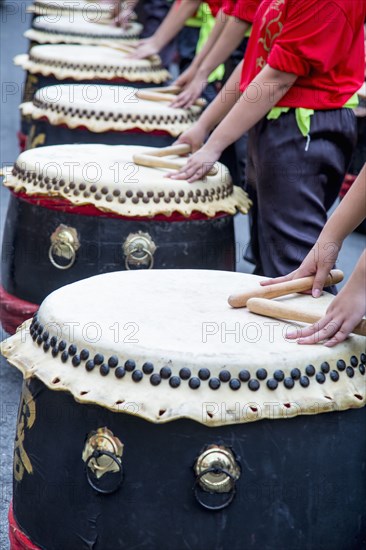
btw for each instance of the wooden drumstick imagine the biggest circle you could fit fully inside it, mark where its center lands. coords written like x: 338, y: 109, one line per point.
x: 278, y: 310
x: 165, y: 89
x: 281, y: 289
x: 179, y: 149
x: 162, y: 96
x: 152, y: 161
x: 120, y: 46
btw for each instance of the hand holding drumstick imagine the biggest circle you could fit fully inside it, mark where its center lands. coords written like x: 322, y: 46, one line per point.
x: 348, y: 308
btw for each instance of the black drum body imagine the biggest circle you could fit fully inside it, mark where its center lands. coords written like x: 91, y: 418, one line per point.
x: 29, y: 274
x: 43, y: 133
x: 302, y: 482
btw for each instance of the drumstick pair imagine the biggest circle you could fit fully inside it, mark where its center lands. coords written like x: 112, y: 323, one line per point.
x: 156, y: 158
x: 259, y: 301
x: 169, y: 93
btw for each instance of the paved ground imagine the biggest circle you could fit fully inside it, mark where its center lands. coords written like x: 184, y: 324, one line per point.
x: 13, y: 23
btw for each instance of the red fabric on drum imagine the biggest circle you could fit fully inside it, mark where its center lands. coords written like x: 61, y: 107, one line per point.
x: 64, y: 205
x: 18, y: 540
x: 22, y: 141
x: 14, y: 311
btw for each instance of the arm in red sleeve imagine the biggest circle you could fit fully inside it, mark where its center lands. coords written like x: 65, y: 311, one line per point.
x: 315, y: 36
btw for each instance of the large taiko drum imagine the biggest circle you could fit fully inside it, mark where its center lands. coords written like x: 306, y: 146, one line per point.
x: 52, y: 64
x: 59, y: 30
x: 90, y: 10
x: 153, y: 416
x: 87, y: 113
x: 80, y: 210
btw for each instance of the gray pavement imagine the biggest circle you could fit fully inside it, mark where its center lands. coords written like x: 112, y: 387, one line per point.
x: 13, y: 23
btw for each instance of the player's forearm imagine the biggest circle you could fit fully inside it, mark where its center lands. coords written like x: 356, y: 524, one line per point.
x: 264, y: 92
x: 359, y: 273
x: 228, y: 41
x: 349, y: 214
x: 223, y: 102
x: 220, y: 25
x: 174, y: 22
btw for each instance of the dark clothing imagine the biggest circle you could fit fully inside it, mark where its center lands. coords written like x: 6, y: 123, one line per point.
x: 292, y: 189
x: 151, y: 14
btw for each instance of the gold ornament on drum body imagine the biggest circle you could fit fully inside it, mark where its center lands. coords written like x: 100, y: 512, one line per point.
x: 26, y: 419
x: 217, y: 469
x: 64, y: 244
x: 104, y: 443
x: 34, y: 140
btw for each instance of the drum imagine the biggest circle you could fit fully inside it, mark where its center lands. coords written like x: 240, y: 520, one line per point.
x: 90, y: 10
x: 46, y: 30
x: 66, y: 63
x: 79, y: 210
x: 86, y: 113
x: 154, y: 416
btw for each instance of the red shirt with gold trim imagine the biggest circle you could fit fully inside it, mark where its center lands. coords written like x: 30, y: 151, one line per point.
x: 241, y: 9
x: 320, y: 41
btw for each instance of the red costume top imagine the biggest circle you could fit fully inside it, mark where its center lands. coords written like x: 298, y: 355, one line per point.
x: 322, y: 42
x: 241, y: 9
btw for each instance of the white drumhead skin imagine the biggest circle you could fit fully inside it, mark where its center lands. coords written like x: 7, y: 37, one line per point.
x: 102, y: 108
x: 80, y: 62
x: 91, y: 10
x: 47, y: 30
x: 180, y: 319
x: 107, y: 177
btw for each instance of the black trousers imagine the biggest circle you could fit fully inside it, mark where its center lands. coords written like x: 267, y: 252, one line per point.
x: 293, y: 188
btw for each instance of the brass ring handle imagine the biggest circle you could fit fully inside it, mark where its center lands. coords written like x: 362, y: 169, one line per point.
x: 71, y: 250
x: 147, y: 254
x: 230, y: 494
x: 95, y: 455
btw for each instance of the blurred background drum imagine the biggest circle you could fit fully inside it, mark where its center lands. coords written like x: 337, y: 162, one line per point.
x: 59, y: 31
x: 154, y: 416
x: 65, y: 63
x: 91, y: 11
x: 113, y: 115
x: 80, y: 210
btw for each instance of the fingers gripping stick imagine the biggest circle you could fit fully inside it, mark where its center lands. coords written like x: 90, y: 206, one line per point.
x: 156, y: 160
x: 278, y: 310
x: 281, y: 289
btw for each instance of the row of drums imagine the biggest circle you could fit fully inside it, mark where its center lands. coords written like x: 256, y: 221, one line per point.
x: 79, y: 204
x: 152, y: 415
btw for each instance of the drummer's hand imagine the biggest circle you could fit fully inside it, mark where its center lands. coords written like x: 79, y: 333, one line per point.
x: 195, y: 137
x: 122, y: 18
x: 189, y: 95
x: 124, y: 12
x: 186, y: 77
x: 114, y: 4
x: 343, y: 314
x: 145, y: 48
x: 318, y: 262
x: 198, y: 165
